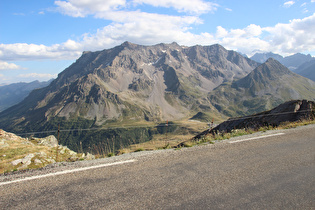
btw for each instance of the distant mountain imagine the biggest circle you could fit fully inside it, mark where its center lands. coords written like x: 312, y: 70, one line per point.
x: 307, y: 70
x: 263, y: 57
x: 292, y: 61
x: 14, y: 93
x: 267, y: 86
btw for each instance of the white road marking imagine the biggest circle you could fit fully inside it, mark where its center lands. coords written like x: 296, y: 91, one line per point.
x: 67, y: 171
x: 259, y: 137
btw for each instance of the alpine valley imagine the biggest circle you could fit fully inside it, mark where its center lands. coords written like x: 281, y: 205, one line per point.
x: 146, y: 85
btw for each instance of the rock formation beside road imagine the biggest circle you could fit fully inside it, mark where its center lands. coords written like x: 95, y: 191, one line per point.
x: 291, y: 111
x: 17, y: 153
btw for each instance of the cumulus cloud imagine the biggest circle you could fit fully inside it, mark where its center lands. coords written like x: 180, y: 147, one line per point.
x: 23, y: 51
x: 150, y: 28
x: 9, y: 66
x: 82, y: 8
x: 283, y: 38
x: 244, y: 40
x: 296, y: 36
x: 140, y: 27
x: 221, y: 32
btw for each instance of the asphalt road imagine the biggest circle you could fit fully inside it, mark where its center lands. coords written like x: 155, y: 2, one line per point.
x: 274, y: 172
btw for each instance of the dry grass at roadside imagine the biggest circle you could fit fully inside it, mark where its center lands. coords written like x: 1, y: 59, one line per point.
x: 19, y: 147
x: 177, y: 141
x: 14, y: 148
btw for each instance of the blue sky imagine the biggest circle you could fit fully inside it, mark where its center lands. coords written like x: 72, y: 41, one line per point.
x: 39, y: 39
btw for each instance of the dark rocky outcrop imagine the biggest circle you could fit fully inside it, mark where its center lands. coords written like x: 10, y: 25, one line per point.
x: 291, y: 111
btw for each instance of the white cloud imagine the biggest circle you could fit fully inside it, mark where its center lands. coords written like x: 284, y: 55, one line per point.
x: 221, y: 32
x: 137, y: 27
x: 192, y: 7
x: 82, y: 8
x: 23, y: 51
x: 36, y: 75
x: 140, y: 27
x: 253, y: 30
x: 293, y: 37
x: 9, y: 66
x: 149, y: 28
x: 288, y: 4
x: 296, y: 36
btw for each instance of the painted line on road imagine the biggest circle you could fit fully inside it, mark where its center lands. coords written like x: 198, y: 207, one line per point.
x: 68, y: 171
x: 254, y: 138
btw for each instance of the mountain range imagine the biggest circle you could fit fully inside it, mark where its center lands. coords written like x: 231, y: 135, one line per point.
x: 14, y: 93
x: 293, y: 62
x: 267, y: 86
x: 307, y: 70
x: 133, y: 82
x: 130, y: 84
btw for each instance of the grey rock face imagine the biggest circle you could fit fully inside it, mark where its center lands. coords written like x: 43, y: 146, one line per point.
x: 291, y: 111
x: 27, y: 160
x: 50, y: 141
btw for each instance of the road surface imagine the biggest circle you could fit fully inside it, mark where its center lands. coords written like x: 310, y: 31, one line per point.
x: 272, y: 172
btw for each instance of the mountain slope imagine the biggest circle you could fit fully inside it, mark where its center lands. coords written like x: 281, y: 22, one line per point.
x: 131, y: 83
x: 263, y: 57
x: 294, y: 61
x: 16, y: 92
x: 307, y: 70
x: 267, y: 86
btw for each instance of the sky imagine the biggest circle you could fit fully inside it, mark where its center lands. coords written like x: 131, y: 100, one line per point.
x: 40, y: 38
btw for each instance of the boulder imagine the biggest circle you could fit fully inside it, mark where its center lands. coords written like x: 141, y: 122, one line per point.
x: 50, y: 141
x: 89, y: 157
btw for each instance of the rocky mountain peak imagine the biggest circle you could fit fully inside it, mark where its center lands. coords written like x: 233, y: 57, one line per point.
x: 274, y: 68
x: 163, y: 81
x: 129, y: 45
x: 263, y: 76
